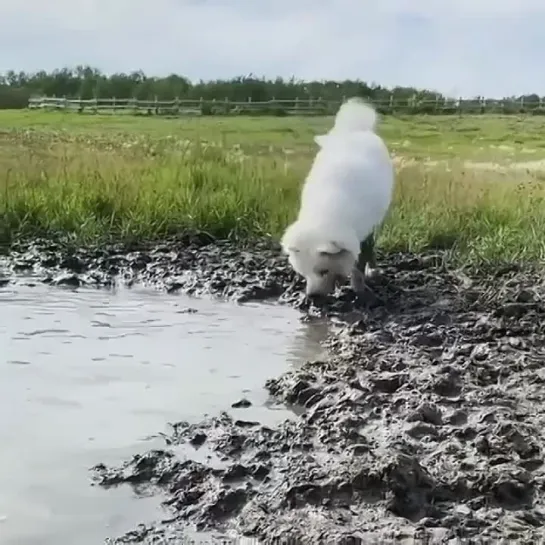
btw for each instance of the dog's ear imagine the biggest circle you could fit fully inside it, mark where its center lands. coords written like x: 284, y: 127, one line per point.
x: 320, y: 139
x: 331, y: 248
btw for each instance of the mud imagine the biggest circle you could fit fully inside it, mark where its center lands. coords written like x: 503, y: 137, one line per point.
x: 192, y: 266
x: 424, y: 422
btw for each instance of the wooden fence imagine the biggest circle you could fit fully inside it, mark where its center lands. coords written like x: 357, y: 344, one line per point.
x: 312, y: 107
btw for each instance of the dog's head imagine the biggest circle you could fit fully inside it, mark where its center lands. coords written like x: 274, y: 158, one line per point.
x: 320, y: 255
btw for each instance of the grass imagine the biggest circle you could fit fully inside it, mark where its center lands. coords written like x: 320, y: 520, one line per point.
x: 107, y: 178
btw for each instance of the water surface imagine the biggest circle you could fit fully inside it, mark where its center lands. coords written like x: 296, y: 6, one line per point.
x: 87, y: 376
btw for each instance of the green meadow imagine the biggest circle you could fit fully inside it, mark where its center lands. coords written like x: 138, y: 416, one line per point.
x: 474, y: 185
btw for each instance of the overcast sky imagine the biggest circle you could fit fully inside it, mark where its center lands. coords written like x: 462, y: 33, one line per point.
x: 460, y: 47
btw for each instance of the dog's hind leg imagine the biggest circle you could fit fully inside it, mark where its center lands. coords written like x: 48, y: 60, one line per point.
x: 367, y: 259
x: 365, y: 268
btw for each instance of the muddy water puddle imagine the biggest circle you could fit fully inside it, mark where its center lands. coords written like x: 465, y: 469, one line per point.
x: 88, y: 376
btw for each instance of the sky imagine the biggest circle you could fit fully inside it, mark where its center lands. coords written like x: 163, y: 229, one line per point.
x: 462, y: 48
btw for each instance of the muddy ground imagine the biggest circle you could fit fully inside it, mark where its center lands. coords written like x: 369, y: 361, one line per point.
x: 425, y: 422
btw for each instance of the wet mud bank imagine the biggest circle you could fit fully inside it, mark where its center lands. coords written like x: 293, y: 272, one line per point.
x: 195, y: 266
x: 425, y: 421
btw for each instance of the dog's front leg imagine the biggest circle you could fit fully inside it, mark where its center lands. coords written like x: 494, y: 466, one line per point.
x: 360, y: 287
x: 357, y: 280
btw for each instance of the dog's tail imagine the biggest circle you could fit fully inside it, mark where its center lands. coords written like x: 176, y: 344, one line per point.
x: 355, y: 115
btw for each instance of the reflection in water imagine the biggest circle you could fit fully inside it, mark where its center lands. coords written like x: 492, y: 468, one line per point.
x: 306, y: 343
x: 88, y: 375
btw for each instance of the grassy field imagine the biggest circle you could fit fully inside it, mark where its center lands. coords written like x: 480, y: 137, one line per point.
x: 474, y: 184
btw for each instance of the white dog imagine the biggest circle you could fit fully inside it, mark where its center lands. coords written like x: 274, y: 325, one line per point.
x: 346, y: 195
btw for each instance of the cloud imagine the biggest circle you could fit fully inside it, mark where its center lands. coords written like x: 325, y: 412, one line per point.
x: 471, y: 47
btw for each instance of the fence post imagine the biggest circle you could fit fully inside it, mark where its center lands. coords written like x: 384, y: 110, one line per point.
x: 156, y: 105
x: 323, y: 109
x: 113, y: 105
x: 391, y: 106
x: 522, y: 104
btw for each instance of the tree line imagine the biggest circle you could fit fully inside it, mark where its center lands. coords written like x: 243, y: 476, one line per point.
x: 87, y: 82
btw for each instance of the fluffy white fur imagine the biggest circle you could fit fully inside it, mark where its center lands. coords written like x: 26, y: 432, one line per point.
x: 346, y: 195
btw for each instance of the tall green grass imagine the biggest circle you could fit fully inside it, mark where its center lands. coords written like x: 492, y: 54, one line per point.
x: 90, y: 196
x: 480, y: 217
x: 92, y: 189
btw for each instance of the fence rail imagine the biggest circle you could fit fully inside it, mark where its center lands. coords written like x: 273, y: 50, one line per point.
x: 296, y: 106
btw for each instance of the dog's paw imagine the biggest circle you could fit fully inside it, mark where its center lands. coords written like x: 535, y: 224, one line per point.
x: 373, y: 272
x: 368, y: 298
